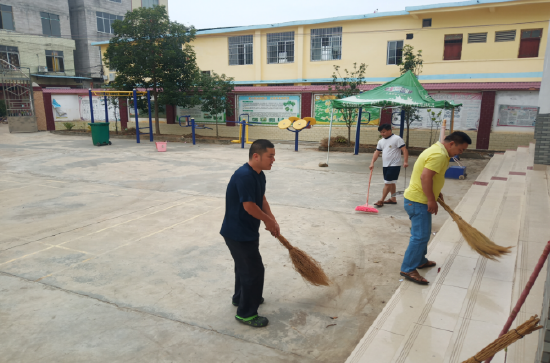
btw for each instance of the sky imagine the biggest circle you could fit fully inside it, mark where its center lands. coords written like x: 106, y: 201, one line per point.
x: 221, y: 13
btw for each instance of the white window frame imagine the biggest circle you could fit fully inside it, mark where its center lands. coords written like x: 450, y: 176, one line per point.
x: 330, y: 47
x: 395, y: 55
x: 241, y: 45
x: 282, y: 41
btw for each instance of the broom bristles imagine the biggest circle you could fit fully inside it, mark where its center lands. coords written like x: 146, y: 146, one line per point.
x: 506, y: 340
x: 305, y: 265
x: 477, y: 240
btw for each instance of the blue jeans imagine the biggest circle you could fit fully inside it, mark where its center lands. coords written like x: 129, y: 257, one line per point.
x: 421, y: 229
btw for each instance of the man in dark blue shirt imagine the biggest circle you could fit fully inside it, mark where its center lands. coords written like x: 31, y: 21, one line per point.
x: 245, y: 207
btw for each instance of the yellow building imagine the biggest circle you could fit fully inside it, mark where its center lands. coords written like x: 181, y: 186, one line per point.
x: 486, y: 54
x: 149, y: 3
x: 460, y: 42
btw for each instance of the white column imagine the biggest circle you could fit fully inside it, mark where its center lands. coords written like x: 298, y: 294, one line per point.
x: 258, y: 56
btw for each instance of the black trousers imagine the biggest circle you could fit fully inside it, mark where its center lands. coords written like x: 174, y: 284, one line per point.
x: 249, y: 276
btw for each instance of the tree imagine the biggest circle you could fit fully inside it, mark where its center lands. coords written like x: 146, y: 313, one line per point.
x: 435, y: 118
x: 346, y: 86
x: 113, y: 100
x: 149, y: 51
x: 213, y: 93
x: 410, y: 62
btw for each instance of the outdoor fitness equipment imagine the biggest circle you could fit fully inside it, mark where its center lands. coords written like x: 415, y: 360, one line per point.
x: 134, y: 93
x: 297, y: 125
x: 243, y: 134
x: 191, y: 123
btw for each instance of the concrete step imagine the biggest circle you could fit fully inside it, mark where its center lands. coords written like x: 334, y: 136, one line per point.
x: 533, y: 238
x: 470, y: 297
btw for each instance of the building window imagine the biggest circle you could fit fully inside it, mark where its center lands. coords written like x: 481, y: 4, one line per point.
x: 105, y: 21
x: 116, y: 1
x: 50, y: 24
x: 149, y: 3
x: 477, y: 38
x: 54, y: 61
x: 206, y: 73
x: 505, y: 36
x: 326, y: 44
x: 240, y: 50
x: 9, y: 57
x: 395, y: 52
x: 280, y: 47
x: 6, y: 20
x: 453, y: 47
x: 426, y: 23
x: 410, y: 35
x: 279, y: 84
x: 529, y: 43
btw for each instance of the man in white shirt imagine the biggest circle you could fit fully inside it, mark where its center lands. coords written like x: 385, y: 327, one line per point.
x: 391, y: 147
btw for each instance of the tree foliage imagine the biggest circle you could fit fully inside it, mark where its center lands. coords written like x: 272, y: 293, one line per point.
x: 149, y: 51
x: 436, y: 119
x: 347, y: 84
x: 410, y: 62
x: 214, y: 89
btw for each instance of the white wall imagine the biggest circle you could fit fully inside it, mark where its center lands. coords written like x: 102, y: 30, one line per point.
x: 69, y: 105
x: 517, y: 98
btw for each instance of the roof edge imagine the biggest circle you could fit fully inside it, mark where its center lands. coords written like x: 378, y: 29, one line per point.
x: 302, y: 22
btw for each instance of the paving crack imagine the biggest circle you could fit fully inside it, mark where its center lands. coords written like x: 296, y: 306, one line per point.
x: 134, y: 310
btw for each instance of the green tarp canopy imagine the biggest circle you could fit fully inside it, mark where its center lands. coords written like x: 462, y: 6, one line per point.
x: 402, y: 91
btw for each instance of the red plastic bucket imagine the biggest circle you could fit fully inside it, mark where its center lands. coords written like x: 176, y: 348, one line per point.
x: 161, y: 145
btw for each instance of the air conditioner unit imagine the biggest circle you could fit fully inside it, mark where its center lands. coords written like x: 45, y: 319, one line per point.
x: 42, y: 69
x: 105, y: 77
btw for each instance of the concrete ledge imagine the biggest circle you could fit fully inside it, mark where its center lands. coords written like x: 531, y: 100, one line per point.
x: 22, y: 124
x: 171, y: 138
x: 473, y: 154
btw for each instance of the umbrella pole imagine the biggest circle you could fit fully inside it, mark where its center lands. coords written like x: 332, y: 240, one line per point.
x: 452, y: 120
x: 329, y: 133
x: 358, y: 132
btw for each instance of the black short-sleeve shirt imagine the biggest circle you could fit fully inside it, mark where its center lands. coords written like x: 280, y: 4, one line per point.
x: 246, y: 185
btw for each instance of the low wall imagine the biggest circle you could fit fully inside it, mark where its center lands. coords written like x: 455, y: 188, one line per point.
x: 369, y: 134
x: 22, y: 124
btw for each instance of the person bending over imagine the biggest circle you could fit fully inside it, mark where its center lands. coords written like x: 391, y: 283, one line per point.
x: 427, y: 180
x: 245, y: 206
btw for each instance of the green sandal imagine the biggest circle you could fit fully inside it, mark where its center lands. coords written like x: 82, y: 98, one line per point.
x: 254, y: 321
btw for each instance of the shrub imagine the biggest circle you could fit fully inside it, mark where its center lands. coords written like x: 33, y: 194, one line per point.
x: 336, y: 141
x: 68, y: 125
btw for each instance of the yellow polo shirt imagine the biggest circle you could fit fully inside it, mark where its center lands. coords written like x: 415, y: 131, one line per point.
x: 435, y: 158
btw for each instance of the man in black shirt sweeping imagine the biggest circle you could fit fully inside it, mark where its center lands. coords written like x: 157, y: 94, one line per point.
x: 245, y: 207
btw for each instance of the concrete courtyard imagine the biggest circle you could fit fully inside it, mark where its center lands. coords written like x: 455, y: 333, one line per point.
x: 113, y: 254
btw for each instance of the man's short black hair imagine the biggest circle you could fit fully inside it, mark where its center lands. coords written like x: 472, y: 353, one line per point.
x: 259, y: 147
x: 459, y: 138
x: 384, y: 127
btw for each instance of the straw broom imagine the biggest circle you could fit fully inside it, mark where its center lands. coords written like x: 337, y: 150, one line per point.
x: 477, y: 240
x: 507, y: 339
x: 305, y: 265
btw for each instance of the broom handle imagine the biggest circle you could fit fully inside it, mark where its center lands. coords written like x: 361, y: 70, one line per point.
x: 368, y: 190
x: 445, y: 206
x: 525, y: 292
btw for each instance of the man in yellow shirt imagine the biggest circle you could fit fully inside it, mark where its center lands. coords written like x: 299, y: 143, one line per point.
x: 427, y: 180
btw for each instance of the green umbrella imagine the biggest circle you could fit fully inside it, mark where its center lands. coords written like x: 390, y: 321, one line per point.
x: 402, y: 91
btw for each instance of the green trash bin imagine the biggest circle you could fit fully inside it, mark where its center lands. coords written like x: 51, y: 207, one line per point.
x: 100, y: 133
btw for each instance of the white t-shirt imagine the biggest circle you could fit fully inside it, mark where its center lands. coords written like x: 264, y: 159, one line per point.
x: 391, y: 150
